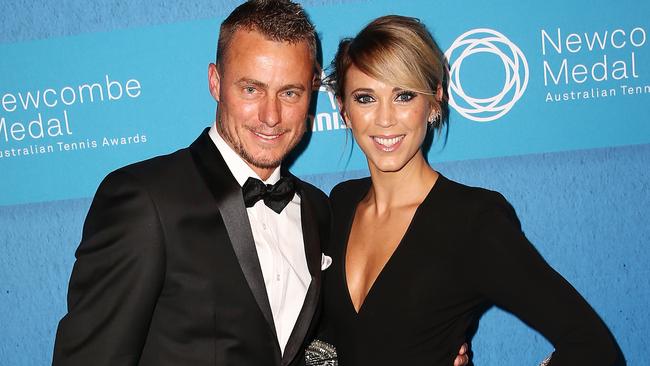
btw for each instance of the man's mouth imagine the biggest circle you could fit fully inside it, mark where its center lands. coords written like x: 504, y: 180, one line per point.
x: 268, y: 137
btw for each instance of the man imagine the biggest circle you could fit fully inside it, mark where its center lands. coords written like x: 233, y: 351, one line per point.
x: 180, y: 263
x: 173, y: 268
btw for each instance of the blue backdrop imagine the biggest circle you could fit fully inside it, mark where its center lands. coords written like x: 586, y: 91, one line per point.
x: 550, y: 105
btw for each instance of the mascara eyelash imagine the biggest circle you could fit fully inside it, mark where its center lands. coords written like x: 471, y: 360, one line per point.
x: 409, y: 93
x: 358, y: 96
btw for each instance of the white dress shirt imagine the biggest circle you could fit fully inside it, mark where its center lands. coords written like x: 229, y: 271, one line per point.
x: 279, y: 244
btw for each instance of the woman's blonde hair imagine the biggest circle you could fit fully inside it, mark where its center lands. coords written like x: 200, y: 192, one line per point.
x: 399, y: 51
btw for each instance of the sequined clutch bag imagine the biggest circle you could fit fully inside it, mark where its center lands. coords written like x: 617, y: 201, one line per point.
x: 321, y: 353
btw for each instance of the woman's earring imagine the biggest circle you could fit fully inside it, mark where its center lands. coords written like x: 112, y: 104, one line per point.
x: 433, y: 119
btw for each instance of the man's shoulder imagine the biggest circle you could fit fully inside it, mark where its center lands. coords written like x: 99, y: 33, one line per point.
x: 158, y: 164
x: 168, y: 168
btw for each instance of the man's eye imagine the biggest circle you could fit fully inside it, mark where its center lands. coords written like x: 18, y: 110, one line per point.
x: 249, y: 89
x: 290, y: 94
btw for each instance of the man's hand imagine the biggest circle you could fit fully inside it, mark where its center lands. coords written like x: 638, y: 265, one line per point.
x: 462, y: 359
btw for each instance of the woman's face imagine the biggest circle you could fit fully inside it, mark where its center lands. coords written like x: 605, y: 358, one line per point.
x: 388, y: 123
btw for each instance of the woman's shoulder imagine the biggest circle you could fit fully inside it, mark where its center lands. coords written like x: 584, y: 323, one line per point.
x: 465, y: 194
x: 350, y: 190
x: 468, y: 200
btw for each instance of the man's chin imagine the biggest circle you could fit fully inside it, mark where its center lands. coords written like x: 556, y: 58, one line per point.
x: 263, y: 163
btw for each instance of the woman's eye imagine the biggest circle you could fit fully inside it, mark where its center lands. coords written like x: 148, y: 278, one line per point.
x: 363, y: 98
x: 405, y: 96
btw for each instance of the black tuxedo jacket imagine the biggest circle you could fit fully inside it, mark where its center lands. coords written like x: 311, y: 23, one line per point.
x: 167, y: 272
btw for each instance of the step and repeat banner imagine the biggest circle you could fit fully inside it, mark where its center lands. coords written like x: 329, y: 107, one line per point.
x: 526, y: 77
x: 555, y: 85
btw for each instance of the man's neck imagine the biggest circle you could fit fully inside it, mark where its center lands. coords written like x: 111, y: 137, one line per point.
x: 238, y: 166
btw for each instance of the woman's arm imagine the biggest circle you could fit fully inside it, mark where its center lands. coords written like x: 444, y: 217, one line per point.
x: 509, y: 271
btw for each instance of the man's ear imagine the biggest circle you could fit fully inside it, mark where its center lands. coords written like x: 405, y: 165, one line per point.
x: 214, y: 81
x: 343, y: 111
x: 317, y: 78
x: 316, y: 82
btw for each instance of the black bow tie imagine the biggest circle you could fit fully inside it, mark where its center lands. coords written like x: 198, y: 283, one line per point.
x: 276, y: 196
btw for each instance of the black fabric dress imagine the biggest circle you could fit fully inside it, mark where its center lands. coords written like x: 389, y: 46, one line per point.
x: 462, y: 252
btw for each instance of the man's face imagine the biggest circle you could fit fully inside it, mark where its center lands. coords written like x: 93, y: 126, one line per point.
x: 263, y: 89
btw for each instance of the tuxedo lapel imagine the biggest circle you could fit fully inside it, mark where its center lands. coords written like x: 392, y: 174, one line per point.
x: 228, y: 196
x: 311, y: 240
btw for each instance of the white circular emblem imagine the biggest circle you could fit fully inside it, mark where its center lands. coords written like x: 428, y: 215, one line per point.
x: 516, y: 70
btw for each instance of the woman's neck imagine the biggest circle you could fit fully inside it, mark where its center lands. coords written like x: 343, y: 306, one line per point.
x: 407, y: 186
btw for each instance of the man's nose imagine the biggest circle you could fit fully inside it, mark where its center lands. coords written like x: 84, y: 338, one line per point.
x: 270, y: 111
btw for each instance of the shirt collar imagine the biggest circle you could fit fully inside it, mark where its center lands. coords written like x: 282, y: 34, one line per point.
x: 238, y: 167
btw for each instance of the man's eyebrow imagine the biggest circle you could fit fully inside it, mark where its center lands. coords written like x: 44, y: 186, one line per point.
x: 293, y: 86
x: 245, y: 81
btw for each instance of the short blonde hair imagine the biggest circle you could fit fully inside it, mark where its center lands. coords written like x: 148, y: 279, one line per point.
x: 399, y: 51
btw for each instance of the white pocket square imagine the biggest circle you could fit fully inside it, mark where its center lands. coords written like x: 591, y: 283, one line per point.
x: 325, y: 262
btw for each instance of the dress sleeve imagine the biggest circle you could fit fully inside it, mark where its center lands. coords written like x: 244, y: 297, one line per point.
x: 116, y: 278
x: 508, y: 270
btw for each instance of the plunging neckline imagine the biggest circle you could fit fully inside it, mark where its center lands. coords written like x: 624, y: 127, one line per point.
x: 390, y: 259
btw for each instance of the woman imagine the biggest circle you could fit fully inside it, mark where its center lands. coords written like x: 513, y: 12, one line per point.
x: 417, y: 258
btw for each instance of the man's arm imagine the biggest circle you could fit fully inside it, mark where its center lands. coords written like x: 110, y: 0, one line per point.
x: 116, y: 278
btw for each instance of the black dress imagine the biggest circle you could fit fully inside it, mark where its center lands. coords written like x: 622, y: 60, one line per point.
x: 462, y: 252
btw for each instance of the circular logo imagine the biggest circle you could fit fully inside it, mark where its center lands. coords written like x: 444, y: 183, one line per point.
x: 516, y: 74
